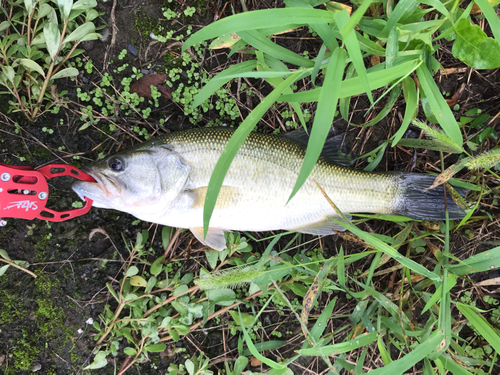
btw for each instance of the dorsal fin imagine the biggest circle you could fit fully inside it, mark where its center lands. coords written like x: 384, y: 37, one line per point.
x: 333, y: 151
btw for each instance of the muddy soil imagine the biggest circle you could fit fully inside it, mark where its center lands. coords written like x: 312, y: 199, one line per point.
x: 46, y: 322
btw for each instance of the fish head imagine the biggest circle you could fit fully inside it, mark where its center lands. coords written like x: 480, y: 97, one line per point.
x: 135, y: 181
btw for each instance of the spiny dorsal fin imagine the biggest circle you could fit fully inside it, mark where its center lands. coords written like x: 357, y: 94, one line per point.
x: 333, y: 151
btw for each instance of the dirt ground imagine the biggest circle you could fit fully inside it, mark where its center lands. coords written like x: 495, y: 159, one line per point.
x: 46, y: 323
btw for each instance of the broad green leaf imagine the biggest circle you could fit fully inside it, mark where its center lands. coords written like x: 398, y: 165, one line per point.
x: 112, y: 291
x: 232, y: 147
x: 257, y: 20
x: 181, y: 289
x: 132, y: 271
x: 223, y: 297
x: 343, y: 347
x: 80, y: 32
x: 418, y: 353
x: 130, y: 297
x: 9, y: 72
x: 52, y: 37
x: 212, y: 258
x: 65, y: 7
x: 155, y: 348
x: 4, y: 25
x: 44, y: 10
x: 481, y: 325
x: 353, y: 86
x: 90, y: 36
x: 3, y: 269
x: 439, y: 107
x: 240, y: 364
x: 138, y: 281
x: 325, y: 112
x: 84, y: 4
x: 99, y: 361
x: 157, y: 266
x: 243, y: 319
x: 4, y: 254
x: 30, y: 64
x: 130, y: 351
x: 474, y: 48
x: 68, y: 72
x: 29, y: 5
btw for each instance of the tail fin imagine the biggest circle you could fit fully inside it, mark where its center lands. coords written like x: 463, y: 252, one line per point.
x: 429, y: 205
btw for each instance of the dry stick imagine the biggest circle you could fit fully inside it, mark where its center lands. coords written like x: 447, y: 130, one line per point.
x: 114, y: 30
x: 17, y: 266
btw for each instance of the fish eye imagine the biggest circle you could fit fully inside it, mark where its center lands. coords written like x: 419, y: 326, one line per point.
x: 116, y: 164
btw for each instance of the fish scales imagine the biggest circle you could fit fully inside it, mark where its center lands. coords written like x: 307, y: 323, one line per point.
x: 264, y: 173
x: 256, y: 187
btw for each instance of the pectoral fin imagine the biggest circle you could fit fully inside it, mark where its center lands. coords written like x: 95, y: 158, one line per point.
x: 215, y: 237
x: 321, y: 228
x: 228, y: 197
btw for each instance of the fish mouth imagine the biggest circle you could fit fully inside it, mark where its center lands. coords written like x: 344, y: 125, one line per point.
x: 101, y: 192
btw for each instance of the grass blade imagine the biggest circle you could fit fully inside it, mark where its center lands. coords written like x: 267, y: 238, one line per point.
x: 232, y: 147
x: 261, y: 43
x: 352, y: 45
x: 481, y: 262
x: 354, y: 86
x: 389, y: 250
x: 221, y: 79
x: 491, y: 16
x: 327, y: 104
x: 398, y: 12
x: 481, y: 324
x: 421, y: 351
x: 439, y: 107
x: 258, y: 20
x: 343, y: 347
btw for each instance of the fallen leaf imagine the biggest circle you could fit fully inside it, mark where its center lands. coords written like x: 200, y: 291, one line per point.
x: 143, y: 86
x: 454, y: 99
x: 254, y: 362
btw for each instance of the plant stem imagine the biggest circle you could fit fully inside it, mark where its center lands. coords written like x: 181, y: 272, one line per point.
x: 17, y: 266
x: 49, y: 73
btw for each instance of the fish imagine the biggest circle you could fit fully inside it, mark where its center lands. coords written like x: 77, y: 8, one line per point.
x: 164, y: 180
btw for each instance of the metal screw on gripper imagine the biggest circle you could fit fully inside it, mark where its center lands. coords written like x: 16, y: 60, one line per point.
x: 42, y: 195
x: 5, y: 177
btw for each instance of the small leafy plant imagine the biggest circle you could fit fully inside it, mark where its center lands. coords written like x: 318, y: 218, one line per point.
x: 36, y: 41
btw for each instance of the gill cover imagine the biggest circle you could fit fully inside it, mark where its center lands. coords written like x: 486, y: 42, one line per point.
x: 135, y: 179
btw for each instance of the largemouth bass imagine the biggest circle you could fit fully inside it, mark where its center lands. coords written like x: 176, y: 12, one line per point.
x: 164, y: 181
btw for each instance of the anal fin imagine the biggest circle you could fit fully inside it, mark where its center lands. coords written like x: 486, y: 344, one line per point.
x: 321, y: 228
x: 215, y: 238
